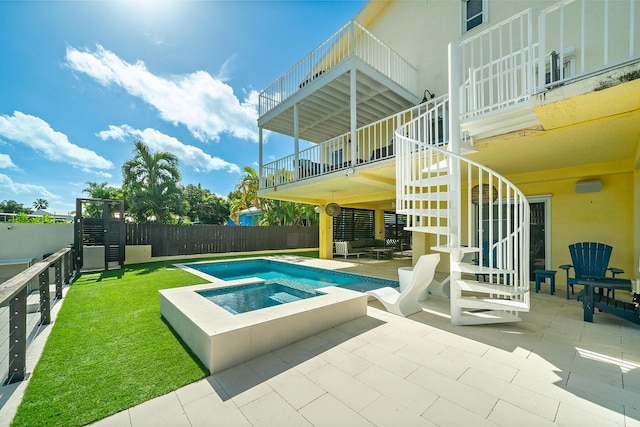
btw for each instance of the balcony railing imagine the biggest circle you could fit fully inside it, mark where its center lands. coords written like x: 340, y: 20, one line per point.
x: 497, y: 66
x: 350, y: 40
x: 579, y: 37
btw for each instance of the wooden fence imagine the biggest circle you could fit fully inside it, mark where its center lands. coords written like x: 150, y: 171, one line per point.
x: 171, y: 240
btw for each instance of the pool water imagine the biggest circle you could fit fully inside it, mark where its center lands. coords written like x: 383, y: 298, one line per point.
x: 268, y: 269
x: 241, y: 299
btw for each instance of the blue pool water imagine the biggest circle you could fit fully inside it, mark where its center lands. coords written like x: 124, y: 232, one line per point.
x: 268, y: 269
x: 241, y: 299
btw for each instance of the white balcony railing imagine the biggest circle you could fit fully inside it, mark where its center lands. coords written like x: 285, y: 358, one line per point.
x: 497, y: 66
x: 349, y: 41
x: 580, y: 37
x: 374, y: 142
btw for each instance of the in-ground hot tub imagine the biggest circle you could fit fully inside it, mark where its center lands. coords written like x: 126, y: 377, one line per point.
x: 222, y: 339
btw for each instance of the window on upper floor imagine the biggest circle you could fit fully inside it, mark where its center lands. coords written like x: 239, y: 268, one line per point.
x: 474, y: 13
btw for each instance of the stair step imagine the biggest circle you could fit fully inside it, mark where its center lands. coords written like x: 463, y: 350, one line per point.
x: 486, y: 317
x: 491, y: 288
x: 431, y: 181
x: 465, y: 267
x: 429, y: 229
x: 492, y: 304
x: 439, y: 213
x: 461, y: 249
x: 434, y: 196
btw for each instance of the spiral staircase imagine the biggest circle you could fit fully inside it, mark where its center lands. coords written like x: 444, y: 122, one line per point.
x: 475, y: 215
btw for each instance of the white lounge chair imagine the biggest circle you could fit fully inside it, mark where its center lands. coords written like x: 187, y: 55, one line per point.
x: 406, y: 303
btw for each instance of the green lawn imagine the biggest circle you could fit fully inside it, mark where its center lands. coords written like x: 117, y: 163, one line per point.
x: 109, y: 348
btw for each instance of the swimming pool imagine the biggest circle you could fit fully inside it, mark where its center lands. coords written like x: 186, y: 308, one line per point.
x: 269, y: 269
x: 241, y: 299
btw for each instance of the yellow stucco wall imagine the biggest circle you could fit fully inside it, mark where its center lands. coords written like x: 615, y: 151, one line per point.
x: 606, y: 216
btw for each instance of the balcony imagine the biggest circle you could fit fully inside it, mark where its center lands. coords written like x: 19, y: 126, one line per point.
x: 352, y: 69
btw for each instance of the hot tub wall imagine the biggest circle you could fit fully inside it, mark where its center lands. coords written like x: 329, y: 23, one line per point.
x: 255, y: 339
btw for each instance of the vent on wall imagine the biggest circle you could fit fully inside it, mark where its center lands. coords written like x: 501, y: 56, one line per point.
x: 588, y: 186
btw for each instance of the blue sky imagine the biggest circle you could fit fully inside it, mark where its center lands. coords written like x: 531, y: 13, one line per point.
x: 81, y: 80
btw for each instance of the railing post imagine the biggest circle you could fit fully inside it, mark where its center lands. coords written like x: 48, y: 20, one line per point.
x: 45, y: 303
x: 17, y: 337
x: 58, y: 277
x: 542, y: 27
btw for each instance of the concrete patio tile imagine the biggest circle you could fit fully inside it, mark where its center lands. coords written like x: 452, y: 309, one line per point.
x: 345, y: 360
x: 443, y: 412
x: 385, y: 342
x: 360, y: 325
x: 631, y: 417
x: 405, y: 393
x: 199, y: 389
x: 462, y: 343
x: 344, y: 387
x: 294, y: 355
x: 335, y: 336
x: 121, y: 419
x: 468, y: 397
x: 462, y: 358
x: 535, y: 364
x: 508, y: 415
x: 388, y: 412
x: 272, y: 410
x: 521, y: 397
x: 442, y: 365
x: 389, y: 361
x: 162, y: 411
x: 328, y: 411
x: 314, y: 344
x: 242, y: 384
x: 266, y: 362
x: 572, y: 416
x: 296, y: 388
x: 558, y: 391
x: 597, y: 390
x: 210, y: 410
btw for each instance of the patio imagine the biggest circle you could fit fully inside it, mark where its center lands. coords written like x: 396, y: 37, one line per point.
x: 549, y: 369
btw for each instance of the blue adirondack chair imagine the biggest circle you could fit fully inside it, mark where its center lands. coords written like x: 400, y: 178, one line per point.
x: 590, y: 261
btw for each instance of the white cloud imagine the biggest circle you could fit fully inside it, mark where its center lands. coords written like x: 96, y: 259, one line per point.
x: 187, y: 154
x: 37, y: 134
x: 6, y: 163
x: 206, y: 105
x: 7, y: 185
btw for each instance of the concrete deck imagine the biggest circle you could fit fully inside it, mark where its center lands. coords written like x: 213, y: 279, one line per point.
x: 549, y: 369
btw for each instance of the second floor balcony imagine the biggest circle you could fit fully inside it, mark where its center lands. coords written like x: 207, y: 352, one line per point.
x: 351, y: 76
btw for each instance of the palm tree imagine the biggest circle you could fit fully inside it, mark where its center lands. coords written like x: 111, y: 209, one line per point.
x: 151, y: 184
x: 40, y: 204
x: 246, y: 194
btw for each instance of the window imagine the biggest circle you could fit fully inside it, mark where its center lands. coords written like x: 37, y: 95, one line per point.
x: 353, y: 224
x: 474, y: 13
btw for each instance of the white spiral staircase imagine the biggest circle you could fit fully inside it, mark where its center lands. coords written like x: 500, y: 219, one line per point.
x: 463, y: 204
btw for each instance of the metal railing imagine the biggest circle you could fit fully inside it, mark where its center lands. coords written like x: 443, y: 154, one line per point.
x: 17, y: 325
x: 497, y: 66
x: 351, y: 40
x: 579, y: 37
x: 374, y: 142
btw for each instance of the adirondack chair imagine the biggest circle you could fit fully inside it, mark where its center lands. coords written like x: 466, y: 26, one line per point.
x: 590, y: 261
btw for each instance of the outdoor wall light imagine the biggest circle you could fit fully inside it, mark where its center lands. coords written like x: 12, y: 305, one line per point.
x: 424, y: 98
x: 318, y: 209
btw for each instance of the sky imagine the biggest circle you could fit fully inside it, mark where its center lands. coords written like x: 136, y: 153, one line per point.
x: 80, y: 81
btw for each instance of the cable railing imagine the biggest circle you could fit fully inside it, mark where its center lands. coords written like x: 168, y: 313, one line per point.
x: 351, y: 40
x: 22, y: 317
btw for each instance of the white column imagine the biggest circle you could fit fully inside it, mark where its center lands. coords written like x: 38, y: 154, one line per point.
x: 296, y: 143
x: 354, y: 116
x: 261, y: 174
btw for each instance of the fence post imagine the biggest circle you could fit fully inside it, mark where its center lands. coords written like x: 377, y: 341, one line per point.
x: 17, y: 337
x: 58, y: 277
x: 45, y: 303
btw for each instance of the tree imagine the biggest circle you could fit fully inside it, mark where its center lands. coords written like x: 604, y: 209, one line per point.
x: 151, y: 184
x: 245, y: 195
x: 100, y: 191
x: 278, y: 212
x: 40, y: 204
x: 11, y: 206
x: 204, y: 207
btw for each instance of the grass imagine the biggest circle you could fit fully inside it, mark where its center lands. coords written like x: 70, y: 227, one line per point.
x: 110, y: 349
